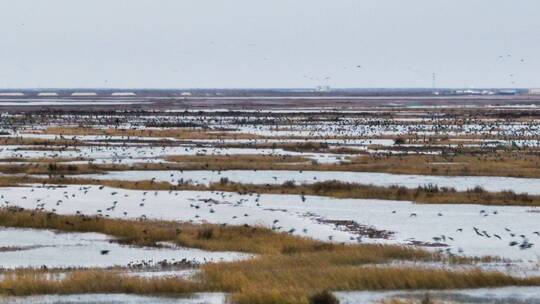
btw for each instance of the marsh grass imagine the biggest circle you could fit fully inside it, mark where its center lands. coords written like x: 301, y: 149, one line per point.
x: 41, y: 142
x: 287, y: 279
x: 238, y: 162
x: 504, y: 163
x: 197, y: 162
x: 300, y: 282
x: 512, y: 164
x: 92, y: 281
x: 177, y: 133
x: 499, y: 163
x: 54, y: 167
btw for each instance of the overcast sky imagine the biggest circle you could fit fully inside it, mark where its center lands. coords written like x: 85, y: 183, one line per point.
x: 269, y: 43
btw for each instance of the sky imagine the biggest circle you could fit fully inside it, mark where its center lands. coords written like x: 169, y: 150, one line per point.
x: 269, y: 43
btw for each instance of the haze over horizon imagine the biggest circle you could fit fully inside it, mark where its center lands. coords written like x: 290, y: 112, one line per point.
x: 269, y: 44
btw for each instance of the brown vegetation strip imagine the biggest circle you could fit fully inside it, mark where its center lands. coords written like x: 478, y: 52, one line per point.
x: 262, y: 281
x: 5, y: 141
x: 512, y: 164
x: 177, y: 133
x: 47, y: 160
x: 95, y: 281
x: 286, y: 279
x: 192, y: 162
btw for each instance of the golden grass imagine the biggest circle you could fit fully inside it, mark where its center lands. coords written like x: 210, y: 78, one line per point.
x: 5, y: 141
x: 51, y: 168
x: 237, y: 162
x: 513, y: 164
x: 177, y: 133
x: 191, y: 162
x: 58, y: 167
x: 293, y: 279
x: 96, y: 281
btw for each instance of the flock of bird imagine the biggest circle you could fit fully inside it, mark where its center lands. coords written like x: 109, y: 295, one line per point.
x: 129, y: 150
x: 120, y: 202
x: 125, y: 149
x: 523, y: 241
